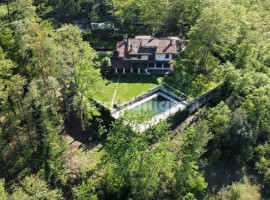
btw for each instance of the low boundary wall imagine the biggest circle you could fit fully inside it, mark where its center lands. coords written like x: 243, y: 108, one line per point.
x: 202, y: 100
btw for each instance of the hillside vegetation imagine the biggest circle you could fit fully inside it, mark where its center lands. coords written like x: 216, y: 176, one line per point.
x: 55, y: 142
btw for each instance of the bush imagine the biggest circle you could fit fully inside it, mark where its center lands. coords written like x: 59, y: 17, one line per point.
x: 105, y: 67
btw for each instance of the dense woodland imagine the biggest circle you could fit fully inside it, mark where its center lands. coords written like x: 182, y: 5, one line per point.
x: 49, y: 77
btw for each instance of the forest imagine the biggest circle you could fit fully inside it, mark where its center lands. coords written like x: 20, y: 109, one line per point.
x: 56, y: 142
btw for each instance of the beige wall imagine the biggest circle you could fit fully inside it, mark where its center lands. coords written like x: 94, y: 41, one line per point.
x: 162, y: 57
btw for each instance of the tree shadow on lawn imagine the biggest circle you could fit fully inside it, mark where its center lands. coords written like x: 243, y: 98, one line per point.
x: 221, y: 174
x: 125, y: 78
x: 189, y: 84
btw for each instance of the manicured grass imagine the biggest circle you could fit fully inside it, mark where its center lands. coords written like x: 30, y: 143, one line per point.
x: 129, y: 87
x: 132, y: 86
x: 191, y: 85
x: 105, y: 95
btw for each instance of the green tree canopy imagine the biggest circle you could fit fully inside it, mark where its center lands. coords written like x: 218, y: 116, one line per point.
x: 138, y: 164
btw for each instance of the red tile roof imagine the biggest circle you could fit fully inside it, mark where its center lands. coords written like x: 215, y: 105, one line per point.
x: 167, y: 46
x: 146, y: 45
x: 120, y: 48
x: 150, y: 42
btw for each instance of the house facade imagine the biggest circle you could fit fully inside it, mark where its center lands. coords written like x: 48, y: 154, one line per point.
x: 145, y: 55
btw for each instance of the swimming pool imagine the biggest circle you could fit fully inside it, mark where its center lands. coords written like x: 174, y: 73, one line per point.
x: 154, y: 106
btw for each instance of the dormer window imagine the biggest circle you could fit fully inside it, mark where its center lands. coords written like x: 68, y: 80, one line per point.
x: 167, y: 56
x: 139, y: 57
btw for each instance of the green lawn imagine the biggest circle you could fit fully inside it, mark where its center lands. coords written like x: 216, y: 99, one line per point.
x: 129, y: 87
x: 105, y: 95
x: 193, y: 86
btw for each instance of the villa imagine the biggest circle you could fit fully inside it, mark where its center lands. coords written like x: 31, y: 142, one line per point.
x: 145, y: 55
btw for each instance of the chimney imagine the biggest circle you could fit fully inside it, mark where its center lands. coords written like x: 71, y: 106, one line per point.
x: 125, y: 38
x: 130, y: 49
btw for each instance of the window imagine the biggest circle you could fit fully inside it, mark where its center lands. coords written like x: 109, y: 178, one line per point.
x: 166, y: 65
x: 167, y: 56
x: 139, y: 57
x: 159, y: 65
x: 151, y: 65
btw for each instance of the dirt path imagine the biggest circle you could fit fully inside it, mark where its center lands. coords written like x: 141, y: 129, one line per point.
x: 176, y: 139
x: 82, y: 152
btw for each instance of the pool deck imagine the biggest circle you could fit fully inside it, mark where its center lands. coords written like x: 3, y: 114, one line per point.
x: 178, y: 105
x: 119, y: 113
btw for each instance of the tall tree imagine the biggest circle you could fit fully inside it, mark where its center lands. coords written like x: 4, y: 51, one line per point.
x: 3, y: 194
x: 212, y: 36
x: 21, y: 9
x: 190, y: 183
x: 76, y: 62
x: 138, y: 164
x: 33, y: 187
